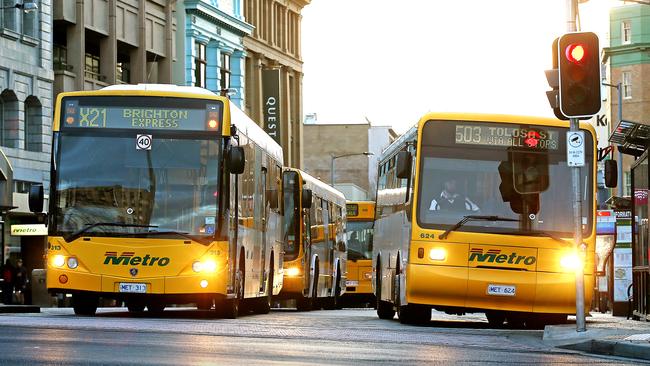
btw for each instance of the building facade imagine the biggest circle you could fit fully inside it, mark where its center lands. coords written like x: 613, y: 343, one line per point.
x: 104, y: 42
x: 26, y: 85
x: 273, y: 74
x: 629, y: 64
x: 209, y: 46
x: 353, y: 151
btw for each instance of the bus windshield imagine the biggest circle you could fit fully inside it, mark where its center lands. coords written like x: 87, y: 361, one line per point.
x: 359, y: 235
x: 103, y: 178
x: 515, y: 171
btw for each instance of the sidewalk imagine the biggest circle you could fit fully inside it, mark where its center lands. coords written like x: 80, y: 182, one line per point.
x: 606, y: 334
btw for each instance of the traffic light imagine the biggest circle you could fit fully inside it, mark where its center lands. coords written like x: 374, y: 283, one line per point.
x: 578, y: 59
x: 523, y: 176
x: 553, y: 77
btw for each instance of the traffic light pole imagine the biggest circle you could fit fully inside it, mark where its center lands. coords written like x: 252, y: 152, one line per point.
x: 577, y: 234
x: 572, y: 6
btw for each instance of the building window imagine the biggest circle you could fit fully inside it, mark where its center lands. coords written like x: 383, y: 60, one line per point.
x: 199, y: 65
x: 91, y: 66
x: 33, y: 124
x: 627, y: 84
x: 22, y: 186
x: 225, y: 71
x: 9, y: 12
x: 123, y: 68
x: 60, y: 58
x: 626, y: 32
x: 627, y: 184
x: 9, y: 118
x: 30, y: 23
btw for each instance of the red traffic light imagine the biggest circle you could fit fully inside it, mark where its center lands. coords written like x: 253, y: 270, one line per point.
x: 575, y: 53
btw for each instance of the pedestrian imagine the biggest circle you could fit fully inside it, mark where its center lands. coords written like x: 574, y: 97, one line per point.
x: 20, y: 281
x: 7, y: 282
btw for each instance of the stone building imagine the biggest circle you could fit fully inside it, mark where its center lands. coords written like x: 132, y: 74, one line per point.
x: 26, y: 83
x: 104, y: 42
x: 274, y: 72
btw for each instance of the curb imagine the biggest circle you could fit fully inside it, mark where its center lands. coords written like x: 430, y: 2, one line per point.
x: 613, y: 348
x: 4, y: 309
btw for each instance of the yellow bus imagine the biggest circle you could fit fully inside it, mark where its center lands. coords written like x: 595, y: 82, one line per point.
x: 360, y: 215
x: 162, y: 195
x: 314, y: 242
x: 475, y: 214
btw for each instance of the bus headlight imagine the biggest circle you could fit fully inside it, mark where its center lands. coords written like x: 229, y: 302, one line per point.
x: 292, y: 271
x: 571, y: 261
x: 208, y: 265
x: 438, y: 254
x: 73, y: 263
x: 367, y: 275
x: 58, y: 260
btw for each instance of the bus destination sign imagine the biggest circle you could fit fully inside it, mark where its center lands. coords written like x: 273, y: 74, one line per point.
x: 528, y: 138
x: 141, y: 118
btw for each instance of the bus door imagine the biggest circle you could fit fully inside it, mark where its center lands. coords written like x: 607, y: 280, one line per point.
x: 259, y: 236
x: 328, y: 249
x: 264, y: 223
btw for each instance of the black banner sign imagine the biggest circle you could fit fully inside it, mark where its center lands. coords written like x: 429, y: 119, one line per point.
x: 271, y: 100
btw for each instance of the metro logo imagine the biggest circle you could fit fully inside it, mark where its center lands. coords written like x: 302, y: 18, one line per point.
x: 495, y: 256
x: 129, y: 258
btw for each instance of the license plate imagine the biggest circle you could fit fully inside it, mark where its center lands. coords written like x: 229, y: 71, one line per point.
x: 501, y: 290
x: 136, y: 288
x: 351, y: 283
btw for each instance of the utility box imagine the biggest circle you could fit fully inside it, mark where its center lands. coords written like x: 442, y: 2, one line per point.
x: 40, y: 296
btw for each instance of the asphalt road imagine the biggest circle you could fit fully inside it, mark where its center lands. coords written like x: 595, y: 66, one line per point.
x: 284, y: 337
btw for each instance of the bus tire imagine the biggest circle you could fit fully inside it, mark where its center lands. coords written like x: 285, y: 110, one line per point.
x: 135, y: 307
x: 414, y: 314
x: 84, y: 304
x: 156, y: 309
x: 303, y: 303
x: 263, y: 305
x: 385, y: 309
x: 231, y: 307
x: 495, y: 318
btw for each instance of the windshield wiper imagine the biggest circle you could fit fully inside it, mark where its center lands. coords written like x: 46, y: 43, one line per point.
x: 79, y: 232
x: 539, y: 233
x: 474, y: 218
x: 179, y: 233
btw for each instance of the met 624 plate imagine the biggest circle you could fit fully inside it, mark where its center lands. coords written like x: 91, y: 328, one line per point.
x: 502, y: 290
x: 135, y: 288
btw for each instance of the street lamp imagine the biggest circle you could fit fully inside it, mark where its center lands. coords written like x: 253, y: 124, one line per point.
x: 334, y: 157
x: 26, y: 6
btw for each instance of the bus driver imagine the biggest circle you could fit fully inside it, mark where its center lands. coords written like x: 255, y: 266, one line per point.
x: 450, y: 200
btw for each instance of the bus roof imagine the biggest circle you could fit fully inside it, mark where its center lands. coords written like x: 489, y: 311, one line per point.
x: 320, y: 188
x: 478, y: 117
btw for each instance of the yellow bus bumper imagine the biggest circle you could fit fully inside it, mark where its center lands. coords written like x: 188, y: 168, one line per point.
x: 465, y: 287
x: 359, y: 277
x: 292, y: 286
x: 69, y: 281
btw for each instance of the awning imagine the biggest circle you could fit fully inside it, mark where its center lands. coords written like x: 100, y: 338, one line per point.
x: 632, y: 138
x: 619, y: 203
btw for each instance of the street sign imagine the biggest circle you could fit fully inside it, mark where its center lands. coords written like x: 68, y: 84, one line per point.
x: 575, y: 148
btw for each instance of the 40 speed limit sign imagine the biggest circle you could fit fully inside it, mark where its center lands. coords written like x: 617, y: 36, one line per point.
x: 143, y: 142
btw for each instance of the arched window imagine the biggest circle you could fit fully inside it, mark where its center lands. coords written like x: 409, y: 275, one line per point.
x: 10, y: 121
x: 33, y: 124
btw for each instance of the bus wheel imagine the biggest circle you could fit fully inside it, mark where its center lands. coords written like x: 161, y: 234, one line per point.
x: 264, y: 303
x: 231, y: 306
x: 495, y: 318
x: 539, y: 321
x: 303, y: 303
x: 135, y: 307
x: 385, y: 309
x: 414, y: 314
x: 156, y: 309
x: 84, y: 304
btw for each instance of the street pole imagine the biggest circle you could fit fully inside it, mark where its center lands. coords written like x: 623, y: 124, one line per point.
x: 332, y: 171
x: 619, y: 89
x: 574, y: 126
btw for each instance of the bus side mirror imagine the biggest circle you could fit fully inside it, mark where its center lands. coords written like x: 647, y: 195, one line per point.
x: 403, y: 165
x: 236, y: 160
x: 611, y: 173
x: 306, y: 198
x: 36, y: 198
